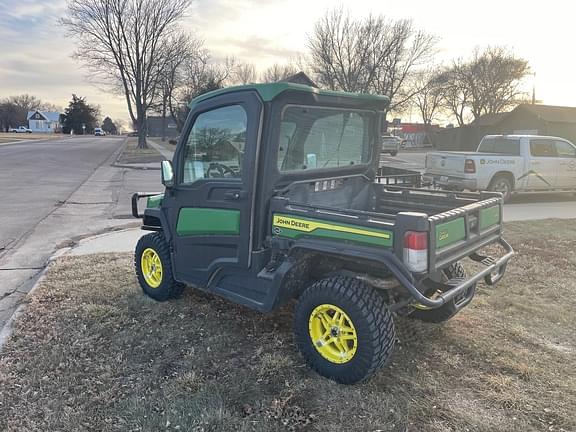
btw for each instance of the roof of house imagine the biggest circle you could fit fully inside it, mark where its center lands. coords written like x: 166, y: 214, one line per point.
x: 300, y: 78
x: 551, y: 113
x: 270, y: 91
x: 490, y: 119
x: 548, y: 113
x: 52, y: 116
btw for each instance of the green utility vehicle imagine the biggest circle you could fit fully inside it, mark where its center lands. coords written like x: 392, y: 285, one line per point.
x: 273, y: 194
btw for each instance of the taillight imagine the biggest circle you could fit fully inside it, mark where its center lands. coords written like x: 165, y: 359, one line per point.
x: 469, y: 166
x: 416, y: 250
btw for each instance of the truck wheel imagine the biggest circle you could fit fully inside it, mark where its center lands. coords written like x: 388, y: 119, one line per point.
x: 447, y: 311
x: 503, y: 185
x: 343, y: 329
x: 393, y: 153
x: 154, y: 269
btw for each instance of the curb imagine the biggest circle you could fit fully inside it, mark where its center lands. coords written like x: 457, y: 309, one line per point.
x: 8, y: 328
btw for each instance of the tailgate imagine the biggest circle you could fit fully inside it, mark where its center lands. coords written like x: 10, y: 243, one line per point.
x: 445, y: 163
x: 457, y: 233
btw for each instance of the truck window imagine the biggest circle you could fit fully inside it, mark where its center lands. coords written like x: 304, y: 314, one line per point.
x: 565, y: 149
x: 542, y: 148
x: 215, y: 146
x: 500, y: 145
x: 319, y: 137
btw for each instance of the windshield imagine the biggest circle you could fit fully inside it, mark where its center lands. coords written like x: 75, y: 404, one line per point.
x: 321, y: 137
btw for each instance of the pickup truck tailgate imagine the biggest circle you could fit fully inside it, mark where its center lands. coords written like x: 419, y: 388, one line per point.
x: 445, y: 162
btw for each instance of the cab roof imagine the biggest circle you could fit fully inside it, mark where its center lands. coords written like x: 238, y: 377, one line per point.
x: 268, y: 92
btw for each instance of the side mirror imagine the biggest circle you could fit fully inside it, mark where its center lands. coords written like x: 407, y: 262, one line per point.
x: 167, y: 173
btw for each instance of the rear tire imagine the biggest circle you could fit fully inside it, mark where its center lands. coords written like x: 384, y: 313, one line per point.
x: 154, y: 268
x: 447, y: 311
x: 394, y: 153
x: 503, y: 185
x: 356, y: 328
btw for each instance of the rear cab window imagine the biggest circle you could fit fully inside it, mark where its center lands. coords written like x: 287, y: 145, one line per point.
x: 314, y: 137
x: 500, y: 145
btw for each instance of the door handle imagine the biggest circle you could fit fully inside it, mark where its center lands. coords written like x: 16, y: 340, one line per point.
x: 234, y: 195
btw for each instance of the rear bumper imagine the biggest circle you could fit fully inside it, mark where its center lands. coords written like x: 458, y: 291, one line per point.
x: 492, y: 274
x: 451, y: 182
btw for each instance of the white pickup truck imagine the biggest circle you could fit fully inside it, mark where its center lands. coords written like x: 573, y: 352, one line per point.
x: 507, y: 164
x: 20, y: 129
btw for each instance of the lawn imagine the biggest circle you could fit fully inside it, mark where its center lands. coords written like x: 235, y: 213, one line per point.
x: 92, y: 353
x: 132, y: 154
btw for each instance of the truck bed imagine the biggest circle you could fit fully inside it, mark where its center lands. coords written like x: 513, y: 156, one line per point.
x: 459, y: 223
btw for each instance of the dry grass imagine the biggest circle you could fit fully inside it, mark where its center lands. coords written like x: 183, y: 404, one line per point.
x: 6, y: 137
x: 92, y: 353
x: 132, y: 154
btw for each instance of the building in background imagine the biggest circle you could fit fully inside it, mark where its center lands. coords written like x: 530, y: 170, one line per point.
x: 44, y: 121
x: 157, y: 125
x: 525, y: 119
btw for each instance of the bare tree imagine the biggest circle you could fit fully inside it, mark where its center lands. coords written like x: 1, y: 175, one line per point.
x: 372, y: 55
x: 488, y: 83
x: 126, y: 43
x: 428, y: 93
x: 495, y: 76
x: 278, y: 72
x: 456, y: 91
x: 199, y: 75
x: 408, y: 50
x: 245, y: 73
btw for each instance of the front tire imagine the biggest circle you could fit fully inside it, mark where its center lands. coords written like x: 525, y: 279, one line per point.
x: 343, y: 329
x: 393, y: 153
x: 154, y: 269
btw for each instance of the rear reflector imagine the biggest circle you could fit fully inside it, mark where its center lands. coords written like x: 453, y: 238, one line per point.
x: 469, y: 166
x: 416, y: 251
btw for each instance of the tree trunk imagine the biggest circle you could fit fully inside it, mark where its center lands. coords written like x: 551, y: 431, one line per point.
x: 142, y: 131
x: 164, y: 121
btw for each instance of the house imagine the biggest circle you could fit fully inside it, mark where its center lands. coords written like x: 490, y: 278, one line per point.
x: 159, y: 126
x: 44, y: 121
x: 300, y: 78
x: 524, y: 119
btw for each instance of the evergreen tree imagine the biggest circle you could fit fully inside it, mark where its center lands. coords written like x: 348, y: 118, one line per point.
x: 79, y: 113
x: 109, y: 126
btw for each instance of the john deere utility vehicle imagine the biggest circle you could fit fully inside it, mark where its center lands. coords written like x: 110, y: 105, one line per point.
x: 273, y: 196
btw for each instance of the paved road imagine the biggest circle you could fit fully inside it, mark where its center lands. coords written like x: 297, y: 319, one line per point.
x: 52, y: 194
x: 36, y: 178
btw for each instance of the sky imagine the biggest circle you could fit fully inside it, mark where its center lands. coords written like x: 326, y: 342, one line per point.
x: 36, y: 53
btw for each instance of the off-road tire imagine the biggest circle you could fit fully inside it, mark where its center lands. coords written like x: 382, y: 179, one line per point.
x: 501, y: 182
x: 370, y: 317
x: 169, y: 288
x: 447, y: 311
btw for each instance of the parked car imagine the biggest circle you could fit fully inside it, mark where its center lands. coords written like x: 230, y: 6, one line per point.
x: 507, y: 164
x: 20, y: 129
x: 99, y: 132
x: 392, y: 144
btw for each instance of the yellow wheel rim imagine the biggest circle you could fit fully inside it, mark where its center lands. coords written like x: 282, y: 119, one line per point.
x: 151, y: 268
x: 333, y: 334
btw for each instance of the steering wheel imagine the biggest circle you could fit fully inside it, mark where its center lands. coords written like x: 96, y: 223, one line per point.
x: 219, y: 170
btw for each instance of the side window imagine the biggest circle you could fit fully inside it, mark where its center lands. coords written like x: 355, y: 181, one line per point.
x: 542, y: 148
x: 565, y: 150
x: 215, y: 146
